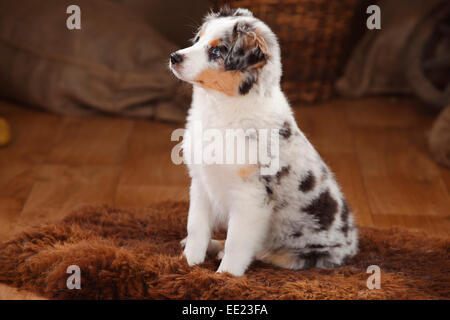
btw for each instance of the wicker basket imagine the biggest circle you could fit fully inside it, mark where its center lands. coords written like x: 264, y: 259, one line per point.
x: 311, y: 35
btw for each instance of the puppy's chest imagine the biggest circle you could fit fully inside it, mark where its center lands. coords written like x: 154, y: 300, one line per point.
x: 219, y: 179
x: 226, y: 157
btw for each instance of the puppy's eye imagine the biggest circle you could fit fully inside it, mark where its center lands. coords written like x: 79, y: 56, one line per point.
x: 215, y: 52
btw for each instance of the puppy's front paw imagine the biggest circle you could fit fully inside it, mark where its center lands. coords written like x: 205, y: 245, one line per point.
x: 194, y: 255
x: 235, y: 269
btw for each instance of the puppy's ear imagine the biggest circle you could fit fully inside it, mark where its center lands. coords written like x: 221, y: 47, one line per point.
x: 248, y: 49
x: 226, y: 11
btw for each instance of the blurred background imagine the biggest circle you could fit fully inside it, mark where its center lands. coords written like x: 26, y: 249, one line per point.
x: 86, y: 115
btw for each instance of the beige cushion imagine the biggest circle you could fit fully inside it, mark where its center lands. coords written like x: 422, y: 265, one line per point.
x: 116, y: 63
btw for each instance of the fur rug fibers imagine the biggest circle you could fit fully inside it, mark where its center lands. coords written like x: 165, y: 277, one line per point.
x: 136, y: 255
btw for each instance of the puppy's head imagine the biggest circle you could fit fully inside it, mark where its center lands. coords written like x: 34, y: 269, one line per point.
x: 232, y: 53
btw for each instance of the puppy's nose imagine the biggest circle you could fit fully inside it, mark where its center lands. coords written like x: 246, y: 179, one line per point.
x: 175, y: 58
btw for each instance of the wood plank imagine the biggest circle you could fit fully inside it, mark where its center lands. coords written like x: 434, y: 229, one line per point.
x: 33, y: 135
x: 96, y: 140
x: 445, y: 174
x: 16, y: 179
x: 387, y: 113
x: 440, y: 226
x: 145, y: 195
x: 399, y: 175
x: 60, y: 189
x: 436, y: 226
x: 325, y: 125
x: 148, y: 161
x: 10, y: 209
x: 348, y: 175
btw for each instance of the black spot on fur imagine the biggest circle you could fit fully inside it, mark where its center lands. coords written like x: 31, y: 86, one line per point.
x: 284, y: 171
x: 280, y: 205
x: 269, y: 191
x: 235, y: 60
x: 247, y: 84
x: 308, y: 183
x: 315, y: 246
x: 297, y: 234
x: 254, y: 56
x: 320, y: 246
x: 312, y: 257
x: 267, y: 182
x: 223, y: 48
x: 240, y: 56
x: 344, y: 216
x: 285, y: 131
x: 323, y: 208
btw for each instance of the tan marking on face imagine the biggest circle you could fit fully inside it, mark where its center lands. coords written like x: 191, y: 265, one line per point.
x: 257, y: 65
x: 245, y: 172
x: 215, y: 43
x: 202, y: 32
x: 220, y: 80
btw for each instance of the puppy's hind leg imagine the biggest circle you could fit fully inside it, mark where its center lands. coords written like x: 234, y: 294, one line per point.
x: 286, y: 260
x: 294, y: 260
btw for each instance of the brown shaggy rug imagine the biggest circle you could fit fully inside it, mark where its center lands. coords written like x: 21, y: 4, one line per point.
x: 136, y: 255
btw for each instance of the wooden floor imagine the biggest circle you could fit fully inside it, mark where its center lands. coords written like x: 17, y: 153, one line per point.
x: 376, y: 147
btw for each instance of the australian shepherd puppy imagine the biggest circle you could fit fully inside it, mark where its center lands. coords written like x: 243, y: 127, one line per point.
x: 295, y: 217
